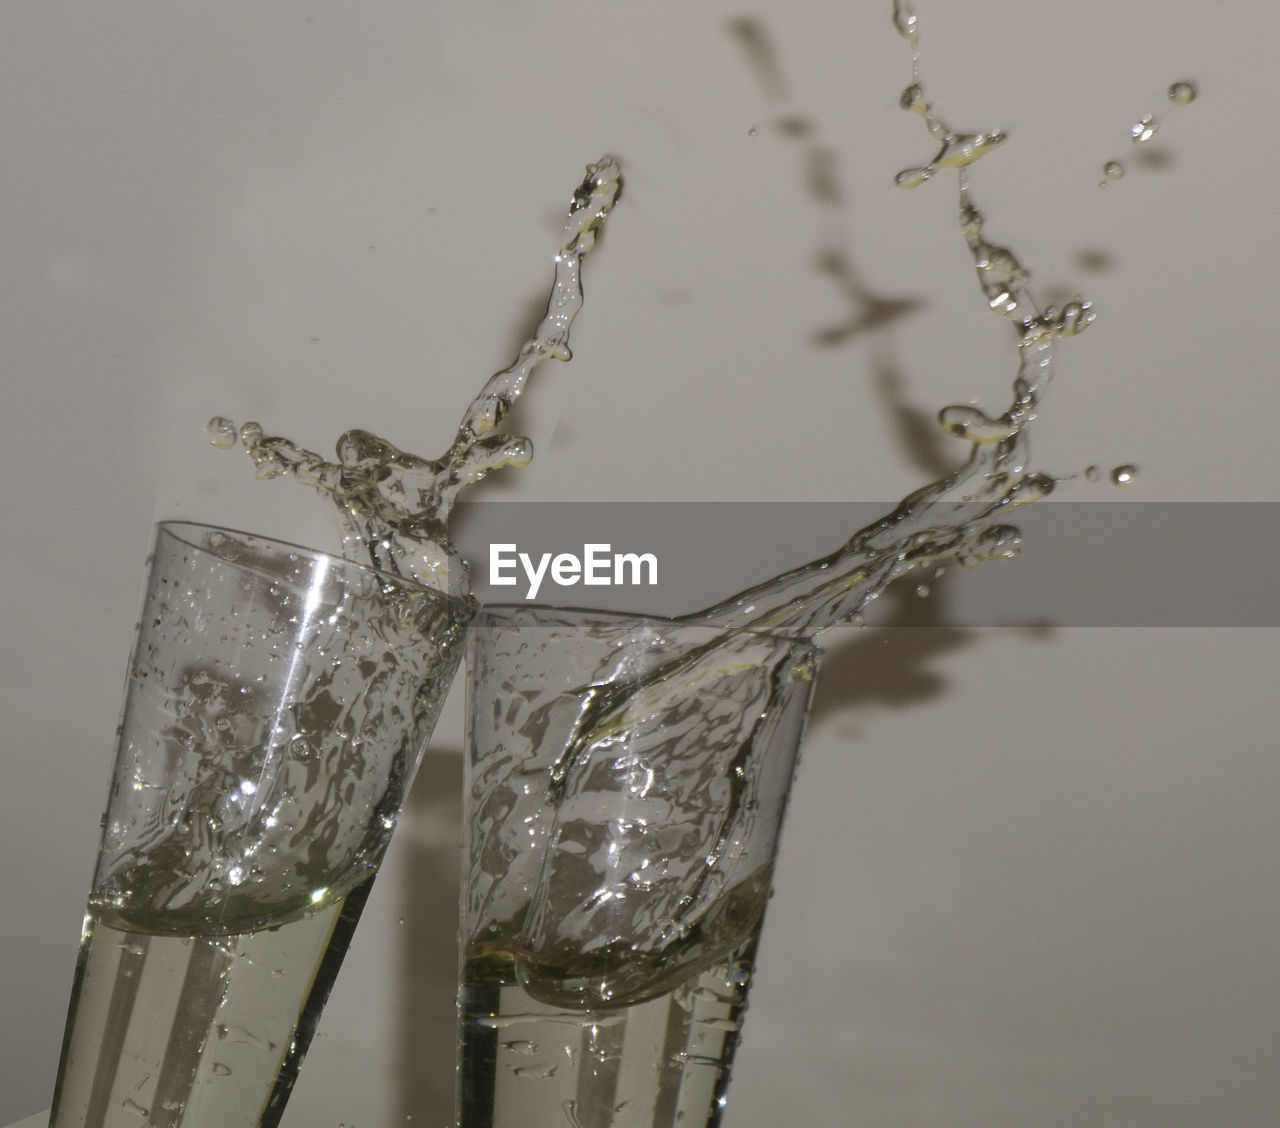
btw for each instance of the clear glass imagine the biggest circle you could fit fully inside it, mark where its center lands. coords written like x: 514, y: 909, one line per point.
x: 625, y: 787
x: 278, y: 702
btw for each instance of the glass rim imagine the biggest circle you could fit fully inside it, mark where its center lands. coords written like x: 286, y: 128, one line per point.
x: 505, y: 613
x: 177, y: 528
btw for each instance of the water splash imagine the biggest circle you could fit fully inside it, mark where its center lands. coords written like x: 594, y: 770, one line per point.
x: 906, y: 22
x: 395, y: 506
x: 962, y: 516
x: 957, y: 150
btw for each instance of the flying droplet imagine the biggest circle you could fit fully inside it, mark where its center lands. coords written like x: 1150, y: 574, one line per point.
x: 1143, y: 129
x: 906, y: 21
x: 1113, y: 170
x: 1182, y: 93
x: 1124, y: 475
x: 221, y: 431
x: 912, y: 177
x: 1074, y: 317
x: 975, y: 425
x: 913, y: 99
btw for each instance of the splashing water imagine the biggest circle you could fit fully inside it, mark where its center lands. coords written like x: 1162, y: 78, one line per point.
x: 962, y: 516
x: 648, y: 688
x: 395, y: 506
x: 958, y: 150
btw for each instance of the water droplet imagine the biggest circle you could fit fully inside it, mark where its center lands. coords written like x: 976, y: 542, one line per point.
x: 221, y: 431
x: 221, y: 1070
x: 974, y: 424
x: 1143, y: 129
x: 913, y: 99
x: 135, y: 1108
x: 1124, y: 475
x: 1091, y: 473
x: 911, y: 177
x: 753, y: 132
x: 1182, y: 92
x: 1113, y: 170
x: 922, y: 590
x: 906, y: 21
x: 1074, y: 317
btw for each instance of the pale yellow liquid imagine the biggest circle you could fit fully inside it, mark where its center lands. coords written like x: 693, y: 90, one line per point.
x: 166, y: 1030
x: 659, y: 1063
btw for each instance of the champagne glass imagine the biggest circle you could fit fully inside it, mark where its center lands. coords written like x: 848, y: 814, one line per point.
x: 277, y: 704
x: 626, y: 783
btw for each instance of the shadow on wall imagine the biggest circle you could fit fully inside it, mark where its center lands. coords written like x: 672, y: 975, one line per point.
x: 869, y: 310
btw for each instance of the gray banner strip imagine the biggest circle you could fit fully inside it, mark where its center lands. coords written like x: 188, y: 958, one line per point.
x: 1127, y: 564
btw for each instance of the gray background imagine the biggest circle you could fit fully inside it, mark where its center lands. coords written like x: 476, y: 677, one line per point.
x: 1029, y: 873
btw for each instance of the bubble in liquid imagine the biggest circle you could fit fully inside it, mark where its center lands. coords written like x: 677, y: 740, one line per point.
x: 1143, y: 129
x: 221, y: 431
x: 1113, y: 170
x: 538, y: 1072
x: 1182, y: 92
x: 1124, y: 475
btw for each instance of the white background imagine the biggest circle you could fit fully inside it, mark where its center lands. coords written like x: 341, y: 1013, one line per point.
x: 1028, y: 877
